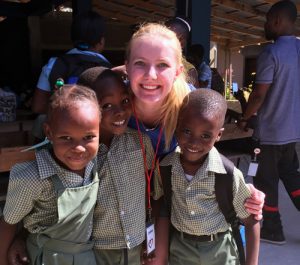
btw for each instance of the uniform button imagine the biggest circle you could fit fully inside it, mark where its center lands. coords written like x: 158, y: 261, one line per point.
x: 128, y: 244
x: 122, y: 212
x: 189, y: 188
x: 192, y: 212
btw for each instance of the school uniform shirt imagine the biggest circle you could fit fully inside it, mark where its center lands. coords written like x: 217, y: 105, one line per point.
x: 194, y: 207
x: 120, y: 213
x: 31, y: 196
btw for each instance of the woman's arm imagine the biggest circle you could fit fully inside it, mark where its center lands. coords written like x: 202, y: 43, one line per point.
x: 255, y: 203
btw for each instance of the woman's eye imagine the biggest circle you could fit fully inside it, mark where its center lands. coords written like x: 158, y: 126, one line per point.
x: 106, y: 106
x: 163, y: 65
x: 139, y: 63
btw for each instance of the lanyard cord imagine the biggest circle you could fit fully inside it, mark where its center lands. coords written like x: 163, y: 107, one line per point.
x: 148, y: 176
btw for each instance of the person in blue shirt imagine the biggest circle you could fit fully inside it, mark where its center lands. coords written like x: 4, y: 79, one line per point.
x: 195, y: 56
x: 275, y: 99
x: 87, y: 34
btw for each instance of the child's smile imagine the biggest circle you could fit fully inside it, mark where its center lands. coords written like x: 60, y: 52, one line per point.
x: 196, y: 136
x: 116, y: 108
x: 74, y: 134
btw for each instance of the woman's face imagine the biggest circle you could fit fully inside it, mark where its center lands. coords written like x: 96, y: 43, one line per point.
x: 152, y: 68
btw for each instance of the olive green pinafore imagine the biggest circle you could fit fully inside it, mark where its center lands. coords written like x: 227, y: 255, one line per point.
x: 64, y: 243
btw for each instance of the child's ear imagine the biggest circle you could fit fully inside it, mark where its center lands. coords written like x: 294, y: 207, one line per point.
x: 219, y: 134
x: 47, y: 131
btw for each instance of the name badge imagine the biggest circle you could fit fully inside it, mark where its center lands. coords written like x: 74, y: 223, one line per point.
x: 150, y: 238
x: 254, y: 164
x: 252, y: 169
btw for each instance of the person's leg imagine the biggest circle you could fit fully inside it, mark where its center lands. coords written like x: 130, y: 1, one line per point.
x: 118, y: 256
x: 266, y: 180
x: 289, y: 174
x: 220, y: 252
x: 108, y: 256
x: 133, y: 256
x: 183, y: 251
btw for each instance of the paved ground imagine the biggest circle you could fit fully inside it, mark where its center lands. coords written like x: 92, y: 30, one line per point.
x: 288, y: 254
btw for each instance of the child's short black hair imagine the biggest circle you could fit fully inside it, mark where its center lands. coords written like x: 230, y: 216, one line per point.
x: 206, y: 102
x: 69, y: 95
x: 92, y: 76
x: 87, y: 29
x: 286, y: 7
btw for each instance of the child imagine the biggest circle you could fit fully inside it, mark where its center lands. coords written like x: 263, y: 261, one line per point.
x: 201, y: 233
x: 55, y: 195
x: 120, y: 214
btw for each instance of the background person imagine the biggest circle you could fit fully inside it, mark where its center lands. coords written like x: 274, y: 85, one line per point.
x: 275, y: 98
x: 195, y: 56
x: 87, y: 34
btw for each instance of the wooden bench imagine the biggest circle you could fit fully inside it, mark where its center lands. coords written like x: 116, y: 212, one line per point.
x: 14, y: 137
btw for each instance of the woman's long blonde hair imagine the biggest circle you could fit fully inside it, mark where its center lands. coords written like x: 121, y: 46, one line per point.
x: 172, y: 103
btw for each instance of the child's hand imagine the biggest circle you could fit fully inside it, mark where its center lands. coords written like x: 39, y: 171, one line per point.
x: 17, y: 254
x: 255, y: 203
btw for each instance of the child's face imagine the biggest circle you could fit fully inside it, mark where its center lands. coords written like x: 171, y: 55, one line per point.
x: 152, y: 68
x: 196, y: 135
x: 75, y: 135
x: 116, y: 107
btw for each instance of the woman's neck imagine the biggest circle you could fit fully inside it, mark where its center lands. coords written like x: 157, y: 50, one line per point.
x: 149, y: 114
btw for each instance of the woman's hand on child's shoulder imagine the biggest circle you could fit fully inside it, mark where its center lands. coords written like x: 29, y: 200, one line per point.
x: 255, y: 203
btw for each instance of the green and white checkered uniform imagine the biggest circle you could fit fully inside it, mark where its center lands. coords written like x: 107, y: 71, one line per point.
x: 120, y: 214
x: 194, y: 206
x: 31, y: 196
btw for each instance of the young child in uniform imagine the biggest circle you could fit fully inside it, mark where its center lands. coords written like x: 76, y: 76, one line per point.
x: 201, y: 234
x: 55, y: 194
x: 120, y: 214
